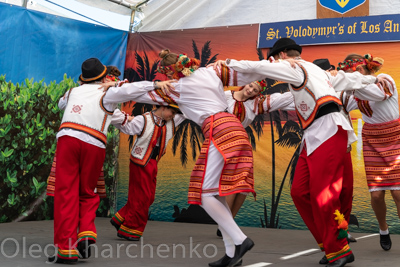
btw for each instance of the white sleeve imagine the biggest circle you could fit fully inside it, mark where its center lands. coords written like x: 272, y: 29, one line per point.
x: 141, y: 93
x: 249, y: 71
x: 350, y: 81
x: 127, y: 92
x: 277, y: 101
x: 62, y: 103
x: 178, y: 119
x: 375, y: 92
x: 133, y: 127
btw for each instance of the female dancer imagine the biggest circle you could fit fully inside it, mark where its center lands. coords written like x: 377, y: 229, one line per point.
x: 381, y: 143
x: 246, y: 103
x: 225, y: 164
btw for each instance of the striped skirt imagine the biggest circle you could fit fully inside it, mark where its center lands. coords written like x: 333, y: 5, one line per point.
x: 227, y: 134
x: 381, y: 146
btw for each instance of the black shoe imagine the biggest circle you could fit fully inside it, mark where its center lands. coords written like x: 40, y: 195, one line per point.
x: 240, y: 250
x: 351, y: 239
x: 115, y: 224
x: 54, y: 259
x: 84, y: 249
x: 324, y: 260
x: 385, y: 241
x: 223, y: 262
x: 219, y: 233
x: 342, y: 261
x: 128, y: 237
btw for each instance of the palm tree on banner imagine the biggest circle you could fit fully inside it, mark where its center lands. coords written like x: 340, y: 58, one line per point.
x: 144, y: 72
x: 188, y: 129
x: 288, y: 136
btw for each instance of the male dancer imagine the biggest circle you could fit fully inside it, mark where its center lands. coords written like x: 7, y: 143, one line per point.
x: 323, y: 152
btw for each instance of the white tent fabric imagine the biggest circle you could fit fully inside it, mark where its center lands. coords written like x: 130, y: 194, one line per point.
x: 185, y: 14
x: 161, y: 15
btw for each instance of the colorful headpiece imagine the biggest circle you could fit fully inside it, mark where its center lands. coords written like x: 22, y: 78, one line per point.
x: 184, y: 67
x: 262, y: 84
x: 353, y: 63
x: 112, y: 78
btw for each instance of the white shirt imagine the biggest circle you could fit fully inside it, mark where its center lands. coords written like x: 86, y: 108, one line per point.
x: 324, y: 127
x: 384, y: 104
x: 272, y: 102
x: 113, y: 96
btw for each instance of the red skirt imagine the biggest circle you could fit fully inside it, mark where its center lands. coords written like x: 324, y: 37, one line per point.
x: 230, y: 138
x: 381, y: 149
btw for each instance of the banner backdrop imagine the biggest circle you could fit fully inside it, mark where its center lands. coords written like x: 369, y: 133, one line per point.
x: 43, y: 46
x: 335, y: 30
x: 272, y: 161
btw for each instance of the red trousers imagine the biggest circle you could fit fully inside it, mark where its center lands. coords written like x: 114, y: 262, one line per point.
x: 75, y: 202
x: 133, y: 217
x: 320, y: 188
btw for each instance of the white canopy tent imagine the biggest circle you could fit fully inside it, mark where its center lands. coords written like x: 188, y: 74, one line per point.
x: 160, y: 15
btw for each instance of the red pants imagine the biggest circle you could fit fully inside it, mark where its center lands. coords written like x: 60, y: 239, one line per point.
x: 133, y: 217
x: 75, y: 202
x: 317, y: 193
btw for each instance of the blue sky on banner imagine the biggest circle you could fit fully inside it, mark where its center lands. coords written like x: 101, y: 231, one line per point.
x: 341, y: 6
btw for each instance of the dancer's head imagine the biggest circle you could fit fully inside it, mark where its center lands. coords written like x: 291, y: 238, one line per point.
x: 366, y: 65
x: 176, y: 66
x: 285, y: 48
x: 253, y: 89
x: 167, y: 113
x: 92, y: 70
x: 113, y: 73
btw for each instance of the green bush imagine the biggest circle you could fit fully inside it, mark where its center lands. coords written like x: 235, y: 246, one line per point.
x: 29, y: 121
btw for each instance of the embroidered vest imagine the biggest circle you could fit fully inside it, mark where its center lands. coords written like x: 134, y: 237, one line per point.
x: 315, y: 92
x: 147, y: 140
x: 85, y: 112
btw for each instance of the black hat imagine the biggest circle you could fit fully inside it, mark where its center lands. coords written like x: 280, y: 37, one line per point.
x: 283, y: 44
x: 324, y: 64
x: 92, y: 69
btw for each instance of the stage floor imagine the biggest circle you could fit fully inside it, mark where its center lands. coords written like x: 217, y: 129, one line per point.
x: 183, y: 244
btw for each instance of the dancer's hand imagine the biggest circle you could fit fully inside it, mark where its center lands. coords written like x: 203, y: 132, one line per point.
x: 382, y: 81
x: 165, y: 86
x: 107, y: 85
x: 217, y: 65
x: 293, y: 62
x: 333, y: 72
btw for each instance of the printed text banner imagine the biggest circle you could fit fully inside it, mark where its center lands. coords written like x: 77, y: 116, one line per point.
x: 334, y: 30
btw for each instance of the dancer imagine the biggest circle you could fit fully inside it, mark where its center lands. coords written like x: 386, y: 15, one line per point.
x: 381, y: 147
x: 112, y: 75
x: 225, y: 164
x: 323, y: 152
x: 81, y: 143
x: 246, y: 103
x: 153, y: 130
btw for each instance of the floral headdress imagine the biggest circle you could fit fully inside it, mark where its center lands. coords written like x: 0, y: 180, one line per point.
x: 352, y: 64
x: 112, y: 78
x: 184, y: 67
x: 262, y: 84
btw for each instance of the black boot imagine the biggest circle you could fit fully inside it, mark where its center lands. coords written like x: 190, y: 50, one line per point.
x: 219, y: 233
x: 324, y: 260
x: 54, y: 259
x: 84, y: 249
x: 130, y: 238
x: 240, y: 250
x: 342, y: 261
x: 223, y: 262
x: 385, y: 241
x: 114, y: 224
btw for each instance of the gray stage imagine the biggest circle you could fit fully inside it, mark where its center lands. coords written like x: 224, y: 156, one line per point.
x: 183, y: 244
